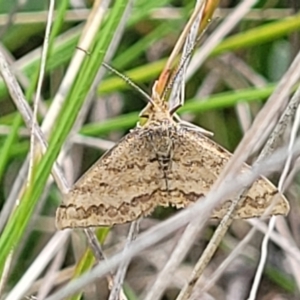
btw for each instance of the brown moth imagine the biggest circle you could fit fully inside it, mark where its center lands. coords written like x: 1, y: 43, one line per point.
x: 160, y: 163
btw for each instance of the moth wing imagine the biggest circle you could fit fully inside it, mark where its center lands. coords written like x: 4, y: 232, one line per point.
x: 197, y: 163
x: 121, y: 186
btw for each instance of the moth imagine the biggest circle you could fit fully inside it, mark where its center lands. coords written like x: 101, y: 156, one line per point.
x: 163, y: 162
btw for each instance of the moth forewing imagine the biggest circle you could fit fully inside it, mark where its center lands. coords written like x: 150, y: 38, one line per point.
x: 116, y: 189
x: 199, y: 163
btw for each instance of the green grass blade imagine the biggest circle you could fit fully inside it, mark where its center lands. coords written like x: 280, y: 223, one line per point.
x: 17, y: 224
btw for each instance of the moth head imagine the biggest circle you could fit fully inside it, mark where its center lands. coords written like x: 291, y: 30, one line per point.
x: 156, y: 110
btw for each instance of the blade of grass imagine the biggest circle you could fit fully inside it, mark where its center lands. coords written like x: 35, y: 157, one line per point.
x: 20, y: 218
x: 10, y: 140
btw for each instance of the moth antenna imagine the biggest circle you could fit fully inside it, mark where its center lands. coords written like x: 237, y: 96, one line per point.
x: 128, y: 81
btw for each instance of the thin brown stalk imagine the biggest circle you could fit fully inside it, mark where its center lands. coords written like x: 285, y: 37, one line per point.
x: 208, y: 253
x: 181, y: 40
x: 226, y: 263
x: 177, y: 84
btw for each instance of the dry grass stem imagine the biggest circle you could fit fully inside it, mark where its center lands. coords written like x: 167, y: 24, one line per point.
x: 215, y: 38
x: 170, y: 13
x: 209, y: 251
x: 266, y: 151
x: 178, y: 254
x: 283, y: 229
x: 226, y: 263
x: 51, y: 274
x: 5, y: 272
x: 91, y: 29
x: 116, y: 291
x: 264, y: 246
x: 282, y: 124
x: 189, y: 36
x: 55, y: 243
x: 24, y: 109
x: 34, y: 152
